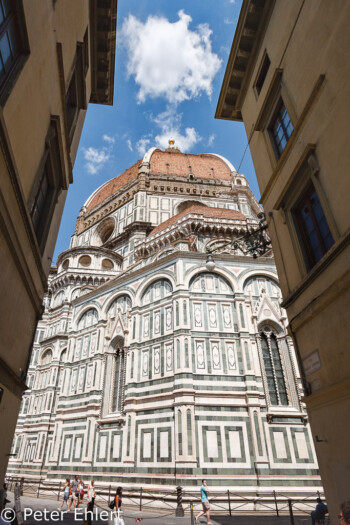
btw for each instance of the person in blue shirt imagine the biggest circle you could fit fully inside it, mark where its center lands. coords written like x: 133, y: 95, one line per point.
x: 320, y: 511
x: 205, y: 503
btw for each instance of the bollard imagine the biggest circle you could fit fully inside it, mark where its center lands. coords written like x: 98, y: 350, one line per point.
x: 179, y: 509
x: 140, y: 498
x: 38, y: 491
x: 276, y: 505
x: 229, y: 502
x: 109, y: 495
x: 290, y: 505
x: 192, y: 516
x: 21, y: 483
x: 59, y: 492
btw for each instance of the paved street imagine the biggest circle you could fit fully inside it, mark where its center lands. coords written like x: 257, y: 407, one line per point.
x: 47, y: 512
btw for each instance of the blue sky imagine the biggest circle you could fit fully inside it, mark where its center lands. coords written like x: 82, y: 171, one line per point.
x: 170, y: 62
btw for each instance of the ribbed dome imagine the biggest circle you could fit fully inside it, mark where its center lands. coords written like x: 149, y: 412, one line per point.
x: 202, y: 166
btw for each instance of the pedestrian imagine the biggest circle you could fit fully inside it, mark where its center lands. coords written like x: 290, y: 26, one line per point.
x: 91, y: 495
x: 117, y: 503
x: 320, y: 511
x: 81, y: 492
x: 75, y: 493
x: 344, y: 516
x: 205, y: 503
x: 66, y: 493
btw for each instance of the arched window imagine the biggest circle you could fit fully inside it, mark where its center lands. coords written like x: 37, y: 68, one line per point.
x: 75, y: 293
x: 58, y: 299
x: 210, y: 283
x: 89, y: 318
x: 119, y: 377
x: 46, y: 358
x: 157, y: 290
x: 122, y: 303
x: 258, y: 284
x: 276, y: 383
x: 63, y: 356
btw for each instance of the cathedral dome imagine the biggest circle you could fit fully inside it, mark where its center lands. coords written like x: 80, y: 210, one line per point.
x: 171, y: 162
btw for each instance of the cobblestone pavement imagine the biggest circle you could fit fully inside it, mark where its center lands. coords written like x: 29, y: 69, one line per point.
x: 48, y: 513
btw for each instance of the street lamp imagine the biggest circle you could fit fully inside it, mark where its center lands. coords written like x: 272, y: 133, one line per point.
x: 210, y: 263
x: 255, y: 243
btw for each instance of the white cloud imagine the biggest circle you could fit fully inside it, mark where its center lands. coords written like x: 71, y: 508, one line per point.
x: 108, y: 139
x: 170, y: 125
x: 128, y: 143
x: 228, y: 21
x: 168, y: 59
x: 211, y: 139
x: 143, y: 144
x: 96, y: 158
x: 184, y: 141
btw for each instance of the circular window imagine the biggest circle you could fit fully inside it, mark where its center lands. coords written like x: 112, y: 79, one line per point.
x: 85, y: 261
x: 107, y: 264
x: 65, y: 264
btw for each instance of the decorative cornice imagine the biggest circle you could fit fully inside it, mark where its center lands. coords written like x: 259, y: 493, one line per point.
x: 189, y: 224
x: 251, y: 26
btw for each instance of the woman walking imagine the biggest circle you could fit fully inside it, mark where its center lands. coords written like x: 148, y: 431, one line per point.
x: 81, y: 492
x: 66, y: 493
x: 117, y: 503
x: 91, y: 495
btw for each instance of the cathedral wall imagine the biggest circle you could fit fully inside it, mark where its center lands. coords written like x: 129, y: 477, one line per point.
x: 193, y: 384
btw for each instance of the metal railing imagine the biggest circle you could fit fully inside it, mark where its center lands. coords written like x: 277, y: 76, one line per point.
x: 179, y: 501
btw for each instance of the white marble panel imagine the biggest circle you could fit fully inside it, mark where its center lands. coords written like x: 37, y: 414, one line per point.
x: 280, y: 445
x: 300, y: 440
x: 103, y: 447
x: 235, y: 444
x: 164, y: 444
x: 212, y: 444
x: 147, y: 445
x: 116, y: 445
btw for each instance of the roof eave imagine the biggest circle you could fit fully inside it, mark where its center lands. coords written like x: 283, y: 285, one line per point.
x: 251, y: 27
x: 103, y: 23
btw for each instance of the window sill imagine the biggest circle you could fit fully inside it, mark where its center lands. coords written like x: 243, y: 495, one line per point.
x: 13, y: 76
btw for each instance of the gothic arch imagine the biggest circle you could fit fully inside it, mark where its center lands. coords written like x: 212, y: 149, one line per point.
x: 271, y: 323
x: 246, y: 274
x: 143, y: 287
x: 82, y: 312
x: 110, y: 301
x: 226, y: 274
x: 46, y: 356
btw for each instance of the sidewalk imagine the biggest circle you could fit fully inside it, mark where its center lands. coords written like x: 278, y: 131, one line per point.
x: 48, y: 513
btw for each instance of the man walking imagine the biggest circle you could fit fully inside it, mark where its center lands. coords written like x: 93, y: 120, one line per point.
x: 320, y: 511
x: 205, y: 503
x: 75, y: 493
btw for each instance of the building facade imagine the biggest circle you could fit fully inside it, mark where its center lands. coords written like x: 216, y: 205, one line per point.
x: 149, y: 369
x: 55, y: 58
x: 287, y: 80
